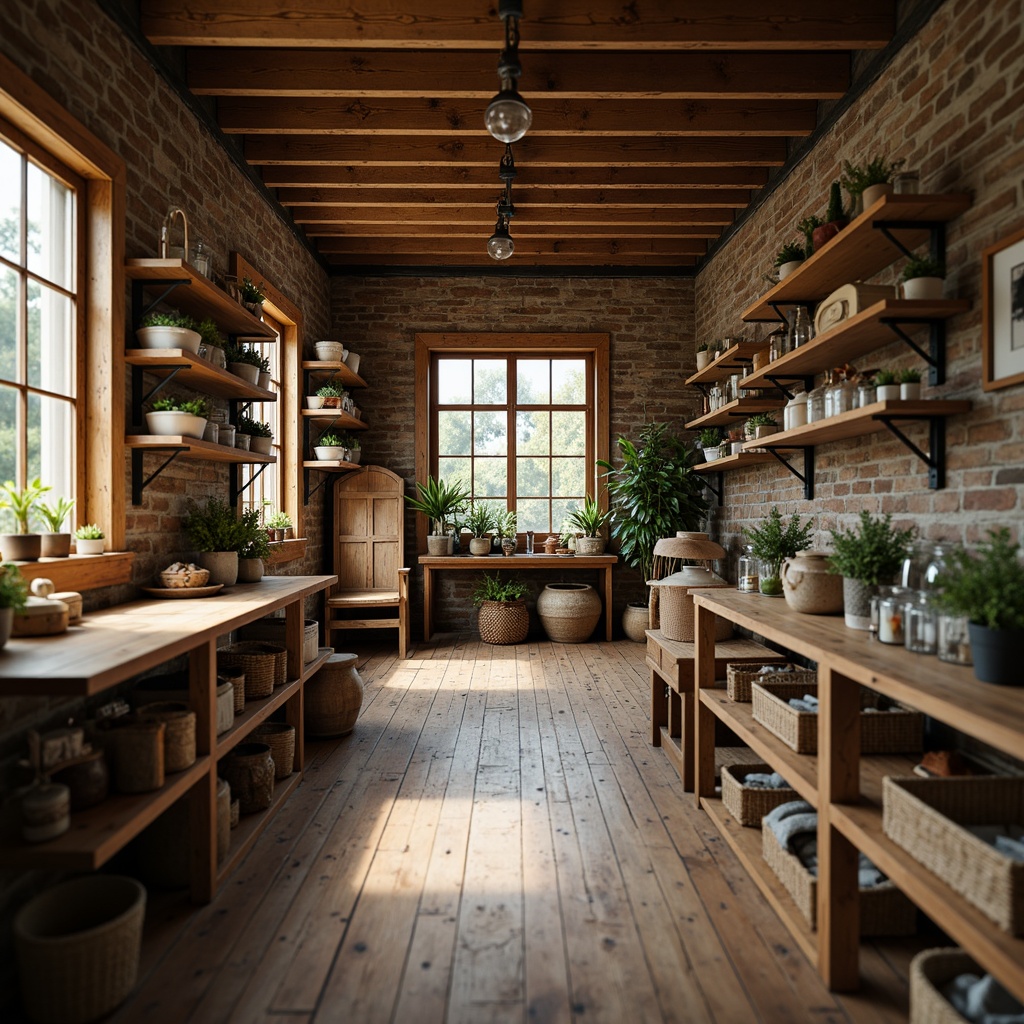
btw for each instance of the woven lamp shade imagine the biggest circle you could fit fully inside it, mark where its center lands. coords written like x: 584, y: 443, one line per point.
x: 694, y: 546
x: 672, y: 604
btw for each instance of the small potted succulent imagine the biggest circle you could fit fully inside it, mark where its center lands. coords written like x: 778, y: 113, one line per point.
x: 329, y: 448
x: 868, y: 184
x: 910, y: 385
x: 56, y: 543
x: 21, y: 502
x: 178, y: 417
x: 480, y: 522
x: 773, y: 542
x: 789, y: 257
x: 704, y: 355
x: 923, y: 278
x: 89, y: 540
x: 244, y: 363
x: 588, y: 522
x: 171, y: 330
x: 330, y: 396
x: 762, y: 424
x: 710, y: 442
x: 261, y: 437
x: 13, y: 595
x: 253, y: 296
x: 278, y: 526
x: 887, y: 385
x: 835, y: 218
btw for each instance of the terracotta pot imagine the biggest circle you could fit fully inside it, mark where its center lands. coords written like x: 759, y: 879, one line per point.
x: 21, y: 547
x: 826, y: 232
x: 809, y: 587
x: 569, y: 611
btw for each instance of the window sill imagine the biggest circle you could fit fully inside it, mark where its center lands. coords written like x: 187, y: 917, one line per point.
x: 282, y: 551
x: 82, y: 572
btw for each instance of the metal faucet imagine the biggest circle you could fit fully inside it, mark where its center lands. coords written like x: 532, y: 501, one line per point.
x: 173, y: 212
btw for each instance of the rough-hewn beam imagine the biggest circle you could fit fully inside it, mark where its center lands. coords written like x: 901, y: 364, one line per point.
x: 566, y: 245
x: 583, y: 76
x: 522, y: 227
x: 485, y: 215
x: 360, y: 263
x: 548, y: 24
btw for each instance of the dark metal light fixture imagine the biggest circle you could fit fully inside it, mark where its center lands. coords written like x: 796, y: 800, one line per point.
x: 507, y: 116
x: 500, y: 245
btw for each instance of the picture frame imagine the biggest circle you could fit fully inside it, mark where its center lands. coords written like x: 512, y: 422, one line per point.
x: 1002, y: 317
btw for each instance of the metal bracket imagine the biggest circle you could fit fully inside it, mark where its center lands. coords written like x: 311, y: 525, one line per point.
x: 138, y: 398
x: 935, y: 357
x: 237, y: 490
x: 808, y: 383
x: 719, y: 491
x: 138, y: 483
x: 808, y: 304
x: 139, y: 287
x: 936, y: 243
x: 309, y: 493
x: 936, y: 461
x: 807, y: 476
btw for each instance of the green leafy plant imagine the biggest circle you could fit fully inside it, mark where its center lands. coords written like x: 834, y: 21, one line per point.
x: 835, y: 212
x: 910, y: 376
x: 210, y: 333
x: 987, y: 586
x: 170, y: 319
x: 702, y: 347
x: 494, y: 588
x: 329, y: 441
x: 654, y: 494
x: 873, y: 552
x: 480, y: 520
x: 922, y: 266
x: 90, y: 531
x: 193, y: 406
x: 253, y: 541
x: 775, y: 540
x: 329, y: 391
x: 252, y: 292
x: 254, y: 428
x: 264, y: 364
x: 54, y: 515
x: 588, y: 520
x: 806, y: 228
x: 279, y: 521
x: 349, y: 440
x: 438, y: 501
x: 878, y: 172
x: 214, y: 526
x: 709, y: 437
x: 505, y: 523
x: 761, y: 419
x: 13, y: 591
x: 241, y: 354
x: 788, y: 253
x: 885, y: 377
x: 22, y: 501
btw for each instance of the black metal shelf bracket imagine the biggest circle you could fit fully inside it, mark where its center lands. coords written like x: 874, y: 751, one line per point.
x: 139, y: 399
x: 807, y: 476
x: 718, y: 490
x: 935, y: 460
x: 936, y: 243
x: 808, y: 304
x: 140, y: 483
x: 935, y: 357
x: 139, y: 287
x: 323, y: 482
x: 238, y: 488
x: 776, y: 381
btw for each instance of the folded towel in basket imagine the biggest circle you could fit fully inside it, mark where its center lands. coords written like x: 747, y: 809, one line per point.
x: 806, y: 703
x: 983, y: 1000
x: 764, y: 780
x: 791, y: 819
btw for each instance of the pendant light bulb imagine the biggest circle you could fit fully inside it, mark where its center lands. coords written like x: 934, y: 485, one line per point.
x: 500, y: 245
x: 507, y: 117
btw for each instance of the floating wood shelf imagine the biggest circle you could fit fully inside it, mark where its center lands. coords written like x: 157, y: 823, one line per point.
x: 739, y: 461
x: 334, y: 369
x: 343, y: 419
x: 736, y: 359
x: 735, y: 412
x: 330, y: 465
x: 195, y: 448
x: 190, y: 369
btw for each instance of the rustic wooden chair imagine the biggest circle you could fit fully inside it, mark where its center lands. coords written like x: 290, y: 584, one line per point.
x: 369, y: 556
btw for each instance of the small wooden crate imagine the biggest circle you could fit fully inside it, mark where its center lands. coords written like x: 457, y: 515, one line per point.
x: 749, y: 804
x: 895, y: 731
x: 924, y: 817
x: 929, y: 971
x: 740, y: 676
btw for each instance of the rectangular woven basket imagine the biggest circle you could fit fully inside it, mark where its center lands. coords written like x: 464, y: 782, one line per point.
x: 930, y: 970
x: 884, y: 910
x: 895, y: 731
x: 272, y: 628
x: 739, y: 676
x: 926, y: 818
x: 749, y: 804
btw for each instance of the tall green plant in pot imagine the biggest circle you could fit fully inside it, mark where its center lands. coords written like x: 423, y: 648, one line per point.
x: 987, y: 588
x: 867, y: 557
x: 217, y: 535
x: 654, y: 494
x: 13, y: 595
x: 773, y: 541
x: 440, y: 502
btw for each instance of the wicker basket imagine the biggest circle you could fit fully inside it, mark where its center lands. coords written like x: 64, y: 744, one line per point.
x: 179, y: 733
x: 225, y: 706
x: 281, y: 740
x: 503, y: 622
x: 138, y: 749
x: 749, y: 804
x: 929, y: 971
x: 886, y: 732
x: 185, y: 578
x: 333, y: 696
x: 924, y: 817
x: 884, y: 910
x: 78, y: 947
x: 264, y: 665
x: 672, y: 604
x: 740, y: 675
x: 237, y: 681
x: 249, y: 771
x: 272, y: 628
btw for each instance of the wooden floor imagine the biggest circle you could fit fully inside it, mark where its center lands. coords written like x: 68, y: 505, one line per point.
x: 496, y: 842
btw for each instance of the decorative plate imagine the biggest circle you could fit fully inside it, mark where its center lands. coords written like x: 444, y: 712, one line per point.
x: 182, y: 592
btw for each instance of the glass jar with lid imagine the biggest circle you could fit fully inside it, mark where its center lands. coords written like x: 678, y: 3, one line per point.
x: 816, y: 404
x: 954, y: 640
x: 891, y: 616
x: 747, y: 571
x: 800, y: 331
x: 921, y: 625
x: 778, y: 344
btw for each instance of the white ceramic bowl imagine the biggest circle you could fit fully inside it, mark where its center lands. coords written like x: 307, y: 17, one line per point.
x: 168, y: 337
x: 330, y: 351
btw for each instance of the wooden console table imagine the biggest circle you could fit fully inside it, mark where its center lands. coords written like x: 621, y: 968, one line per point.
x: 514, y: 564
x: 110, y: 647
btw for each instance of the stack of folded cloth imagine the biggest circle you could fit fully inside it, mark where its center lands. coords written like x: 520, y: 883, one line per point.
x: 808, y: 702
x: 765, y: 780
x: 983, y: 1000
x: 796, y: 827
x: 1007, y: 839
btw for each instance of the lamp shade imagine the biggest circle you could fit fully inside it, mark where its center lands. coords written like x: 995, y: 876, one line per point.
x: 697, y: 546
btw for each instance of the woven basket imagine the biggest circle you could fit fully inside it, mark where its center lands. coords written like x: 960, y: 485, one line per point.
x: 179, y: 732
x: 78, y: 947
x: 272, y: 629
x: 673, y: 611
x: 889, y: 732
x: 739, y: 676
x: 924, y: 816
x: 929, y: 971
x: 333, y: 696
x: 884, y: 910
x: 281, y: 740
x: 249, y: 771
x: 503, y: 622
x: 225, y: 706
x: 749, y: 804
x: 138, y: 749
x: 264, y: 665
x: 237, y: 680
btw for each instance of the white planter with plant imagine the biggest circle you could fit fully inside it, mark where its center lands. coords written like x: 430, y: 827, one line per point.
x: 314, y: 402
x: 177, y: 417
x: 789, y: 257
x: 253, y: 547
x: 480, y: 521
x: 870, y: 183
x: 760, y: 425
x: 440, y: 502
x: 710, y: 441
x: 910, y: 385
x: 253, y: 297
x: 773, y: 542
x: 923, y: 278
x: 329, y: 449
x: 703, y: 356
x: 56, y: 543
x: 261, y: 437
x: 21, y: 502
x: 588, y: 521
x: 90, y: 540
x: 169, y: 330
x: 244, y: 363
x: 887, y: 386
x: 212, y: 342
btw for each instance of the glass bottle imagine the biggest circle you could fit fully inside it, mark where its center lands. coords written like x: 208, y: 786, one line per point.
x: 800, y: 331
x: 777, y: 344
x: 816, y: 404
x: 891, y: 616
x: 747, y: 571
x: 529, y: 542
x: 954, y: 640
x: 921, y: 625
x: 865, y: 395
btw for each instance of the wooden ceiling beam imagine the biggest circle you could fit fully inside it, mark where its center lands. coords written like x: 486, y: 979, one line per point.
x: 547, y: 24
x: 485, y: 215
x: 430, y: 261
x: 521, y: 228
x: 561, y: 76
x: 567, y: 245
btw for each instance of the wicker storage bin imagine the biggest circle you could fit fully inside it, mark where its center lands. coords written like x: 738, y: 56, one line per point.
x: 749, y: 804
x: 138, y: 754
x: 281, y: 740
x: 333, y: 697
x: 929, y: 971
x: 249, y: 771
x: 886, y: 732
x: 884, y: 910
x: 225, y: 706
x: 740, y: 676
x: 924, y: 816
x: 78, y: 947
x: 672, y: 602
x: 271, y: 628
x: 265, y: 665
x: 503, y: 622
x: 179, y: 732
x: 237, y: 681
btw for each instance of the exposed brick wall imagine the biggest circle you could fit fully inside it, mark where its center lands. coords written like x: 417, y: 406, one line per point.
x: 950, y: 106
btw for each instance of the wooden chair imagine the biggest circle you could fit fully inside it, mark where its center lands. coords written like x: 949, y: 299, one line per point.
x: 369, y: 555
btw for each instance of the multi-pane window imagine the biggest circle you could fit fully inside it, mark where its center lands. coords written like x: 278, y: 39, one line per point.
x: 265, y: 493
x: 517, y: 430
x: 40, y: 318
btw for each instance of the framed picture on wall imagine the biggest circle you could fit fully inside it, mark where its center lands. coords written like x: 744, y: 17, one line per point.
x: 1002, y: 280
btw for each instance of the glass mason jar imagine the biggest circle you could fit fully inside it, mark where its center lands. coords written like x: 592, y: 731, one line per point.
x: 844, y: 397
x: 954, y: 641
x: 921, y: 625
x: 816, y: 404
x: 800, y: 331
x: 865, y: 395
x: 891, y: 616
x: 747, y: 571
x: 778, y: 342
x: 921, y: 568
x: 769, y: 580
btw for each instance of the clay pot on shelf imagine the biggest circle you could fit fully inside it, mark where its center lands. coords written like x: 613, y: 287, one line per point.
x: 826, y: 232
x: 809, y: 587
x: 21, y: 547
x: 480, y: 546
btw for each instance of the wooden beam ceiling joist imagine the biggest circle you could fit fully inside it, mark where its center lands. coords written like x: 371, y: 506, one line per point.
x: 564, y: 265
x: 525, y: 198
x: 483, y: 215
x: 558, y: 246
x: 521, y: 227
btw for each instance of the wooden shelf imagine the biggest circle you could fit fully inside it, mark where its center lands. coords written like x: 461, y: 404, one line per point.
x: 859, y: 251
x: 738, y: 461
x: 853, y: 338
x: 334, y: 369
x: 200, y: 297
x: 330, y: 465
x: 343, y: 419
x: 736, y: 359
x: 736, y: 411
x: 194, y: 448
x: 196, y: 373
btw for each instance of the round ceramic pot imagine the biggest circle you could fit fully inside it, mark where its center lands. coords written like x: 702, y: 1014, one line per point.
x: 223, y: 566
x: 329, y: 453
x: 55, y: 545
x: 590, y: 545
x: 169, y: 337
x: 354, y: 455
x: 873, y: 193
x: 250, y: 570
x: 21, y: 547
x: 857, y: 603
x: 996, y: 654
x: 508, y: 546
x: 888, y: 392
x: 332, y: 697
x: 439, y: 544
x: 263, y: 380
x: 480, y: 546
x: 503, y: 622
x: 911, y: 391
x: 809, y: 587
x: 712, y: 454
x: 636, y: 621
x: 787, y: 268
x: 92, y: 546
x: 314, y: 402
x: 245, y: 371
x: 249, y: 771
x: 923, y: 288
x: 261, y: 445
x: 569, y: 611
x: 175, y: 423
x: 330, y: 351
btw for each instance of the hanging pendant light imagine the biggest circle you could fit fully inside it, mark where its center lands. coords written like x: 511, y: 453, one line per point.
x: 500, y: 245
x: 508, y: 117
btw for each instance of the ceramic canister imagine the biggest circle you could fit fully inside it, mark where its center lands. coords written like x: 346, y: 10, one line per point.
x: 809, y: 587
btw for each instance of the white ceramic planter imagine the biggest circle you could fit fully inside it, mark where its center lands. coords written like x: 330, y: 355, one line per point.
x: 873, y: 193
x: 887, y: 392
x: 314, y: 402
x: 261, y: 445
x: 910, y: 392
x: 89, y: 547
x: 712, y: 454
x: 329, y: 453
x: 245, y: 371
x: 924, y: 288
x: 354, y: 455
x: 787, y: 268
x: 263, y: 380
x: 168, y: 337
x: 175, y: 424
x: 330, y: 351
x: 703, y: 358
x: 352, y: 361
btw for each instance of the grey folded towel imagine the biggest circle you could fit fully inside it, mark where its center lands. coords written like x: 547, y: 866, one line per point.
x: 764, y: 780
x: 983, y: 1000
x: 1013, y: 848
x: 791, y: 819
x: 803, y: 705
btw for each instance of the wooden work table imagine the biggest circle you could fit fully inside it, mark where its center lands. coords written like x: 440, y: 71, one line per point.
x: 514, y: 564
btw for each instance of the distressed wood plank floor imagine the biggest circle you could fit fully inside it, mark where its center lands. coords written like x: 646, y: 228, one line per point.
x: 496, y: 841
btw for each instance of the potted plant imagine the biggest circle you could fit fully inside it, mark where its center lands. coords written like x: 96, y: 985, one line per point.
x: 438, y: 501
x: 923, y: 278
x: 13, y: 595
x: 505, y: 526
x: 56, y: 543
x: 887, y: 385
x: 807, y: 227
x: 504, y: 618
x: 278, y: 524
x: 774, y: 541
x: 704, y: 355
x: 736, y: 438
x: 835, y: 218
x: 89, y: 540
x: 868, y: 184
x: 253, y: 296
x: 264, y: 379
x: 987, y: 588
x: 169, y: 330
x: 654, y: 494
x: 710, y: 441
x: 867, y: 557
x: 212, y: 342
x: 254, y: 547
x: 329, y: 448
x: 244, y: 363
x: 910, y: 385
x: 21, y: 546
x: 353, y: 450
x: 177, y: 417
x: 789, y: 257
x: 216, y: 533
x: 261, y: 437
x: 330, y: 396
x: 761, y: 424
x: 588, y: 521
x: 480, y: 521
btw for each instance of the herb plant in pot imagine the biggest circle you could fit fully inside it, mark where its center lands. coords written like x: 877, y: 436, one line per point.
x: 588, y: 521
x: 772, y: 542
x: 867, y: 557
x: 353, y: 449
x: 177, y: 417
x: 278, y: 524
x: 987, y: 588
x: 835, y: 218
x: 329, y: 448
x: 244, y: 363
x: 169, y: 330
x: 330, y: 396
x: 505, y: 526
x: 216, y: 533
x: 869, y: 183
x: 253, y: 296
x: 710, y: 441
x: 480, y: 521
x: 56, y: 543
x: 923, y: 278
x: 762, y: 424
x: 910, y: 385
x: 504, y: 618
x: 21, y: 502
x: 254, y: 547
x: 887, y: 386
x: 439, y: 501
x: 807, y: 227
x: 212, y: 342
x: 790, y: 257
x: 13, y: 595
x: 90, y: 540
x: 261, y: 437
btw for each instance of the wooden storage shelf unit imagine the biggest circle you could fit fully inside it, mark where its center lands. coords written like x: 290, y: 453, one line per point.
x: 197, y: 373
x: 735, y: 412
x: 196, y: 448
x: 334, y: 369
x: 328, y: 417
x: 735, y: 359
x: 847, y: 786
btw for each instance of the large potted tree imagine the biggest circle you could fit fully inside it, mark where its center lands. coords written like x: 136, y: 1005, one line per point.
x: 439, y: 501
x: 654, y: 494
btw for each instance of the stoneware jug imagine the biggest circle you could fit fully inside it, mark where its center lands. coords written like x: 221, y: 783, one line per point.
x: 809, y: 587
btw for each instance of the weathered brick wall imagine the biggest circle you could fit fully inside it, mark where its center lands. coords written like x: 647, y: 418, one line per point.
x: 950, y: 106
x: 649, y: 321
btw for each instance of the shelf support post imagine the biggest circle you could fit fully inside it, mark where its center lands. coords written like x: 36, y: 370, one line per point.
x: 238, y: 488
